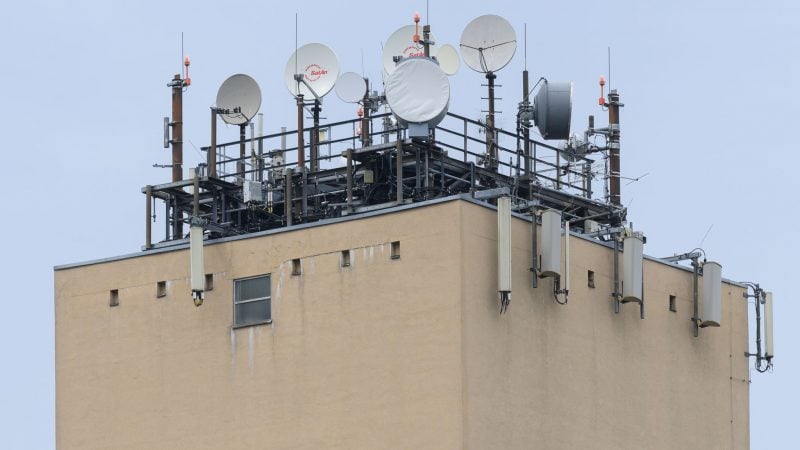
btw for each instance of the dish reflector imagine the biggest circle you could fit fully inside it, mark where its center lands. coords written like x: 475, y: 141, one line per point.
x: 318, y: 65
x: 488, y: 43
x: 418, y: 92
x: 401, y: 43
x: 448, y: 59
x: 239, y: 91
x: 553, y: 109
x: 351, y: 87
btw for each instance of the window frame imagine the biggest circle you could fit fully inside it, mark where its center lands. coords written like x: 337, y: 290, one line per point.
x: 268, y: 299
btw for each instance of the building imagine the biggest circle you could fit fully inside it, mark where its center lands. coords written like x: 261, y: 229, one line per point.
x: 362, y: 306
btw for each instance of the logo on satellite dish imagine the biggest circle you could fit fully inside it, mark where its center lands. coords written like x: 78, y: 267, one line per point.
x: 314, y: 72
x: 413, y: 50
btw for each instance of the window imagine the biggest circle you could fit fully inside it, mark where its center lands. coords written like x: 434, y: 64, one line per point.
x: 672, y: 306
x: 113, y: 298
x: 161, y: 289
x: 296, y: 267
x: 590, y: 277
x: 396, y: 250
x: 252, y: 301
x: 209, y: 282
x: 345, y: 258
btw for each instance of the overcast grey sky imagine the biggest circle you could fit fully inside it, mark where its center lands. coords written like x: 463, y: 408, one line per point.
x: 710, y: 93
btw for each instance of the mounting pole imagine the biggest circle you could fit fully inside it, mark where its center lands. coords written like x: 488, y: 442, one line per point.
x: 315, y: 136
x: 177, y: 84
x: 490, y: 144
x: 613, y: 145
x: 526, y: 133
x: 301, y: 153
x: 212, y: 151
x: 177, y: 127
x: 399, y: 170
x: 240, y: 164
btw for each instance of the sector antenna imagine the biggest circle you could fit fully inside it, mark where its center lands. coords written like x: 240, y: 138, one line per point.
x: 487, y: 45
x: 311, y: 72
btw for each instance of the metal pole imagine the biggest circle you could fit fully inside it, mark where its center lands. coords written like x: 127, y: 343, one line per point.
x: 301, y: 154
x: 614, y: 135
x: 287, y: 197
x: 526, y: 133
x: 492, y: 149
x: 399, y: 171
x: 212, y: 152
x: 260, y: 147
x: 315, y: 136
x: 349, y: 180
x: 148, y: 237
x: 196, y: 196
x: 242, y: 145
x: 177, y: 128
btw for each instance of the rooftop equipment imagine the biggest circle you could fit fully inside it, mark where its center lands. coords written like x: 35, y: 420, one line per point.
x: 504, y: 251
x: 487, y: 45
x: 632, y: 268
x: 712, y: 294
x: 419, y: 94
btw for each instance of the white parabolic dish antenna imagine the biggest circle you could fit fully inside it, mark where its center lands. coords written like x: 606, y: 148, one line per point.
x: 418, y: 92
x: 351, y: 87
x: 401, y: 43
x: 239, y: 91
x: 448, y: 59
x: 488, y: 43
x: 319, y: 67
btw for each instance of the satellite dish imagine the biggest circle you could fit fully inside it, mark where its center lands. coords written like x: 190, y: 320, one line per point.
x: 401, y: 43
x: 351, y: 87
x: 418, y: 92
x: 319, y: 67
x: 448, y: 59
x: 240, y: 92
x: 552, y: 109
x: 488, y: 43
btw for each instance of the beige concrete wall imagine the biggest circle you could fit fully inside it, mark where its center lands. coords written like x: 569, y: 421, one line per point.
x: 360, y: 357
x: 407, y: 353
x: 580, y: 376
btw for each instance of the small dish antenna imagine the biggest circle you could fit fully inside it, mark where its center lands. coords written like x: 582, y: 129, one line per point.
x: 553, y: 109
x: 488, y: 43
x: 401, y: 43
x: 311, y: 71
x: 448, y: 59
x: 240, y: 95
x: 351, y: 87
x: 418, y: 92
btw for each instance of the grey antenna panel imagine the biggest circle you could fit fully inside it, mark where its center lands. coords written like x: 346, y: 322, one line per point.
x: 488, y: 43
x: 351, y: 87
x: 240, y: 92
x: 553, y: 109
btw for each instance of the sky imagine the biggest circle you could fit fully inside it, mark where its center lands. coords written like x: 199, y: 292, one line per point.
x: 710, y: 98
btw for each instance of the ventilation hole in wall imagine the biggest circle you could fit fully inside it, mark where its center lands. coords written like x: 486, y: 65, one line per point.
x: 673, y: 306
x: 209, y: 282
x: 345, y: 258
x: 161, y: 289
x: 296, y: 267
x: 590, y: 278
x: 113, y: 298
x: 396, y: 250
